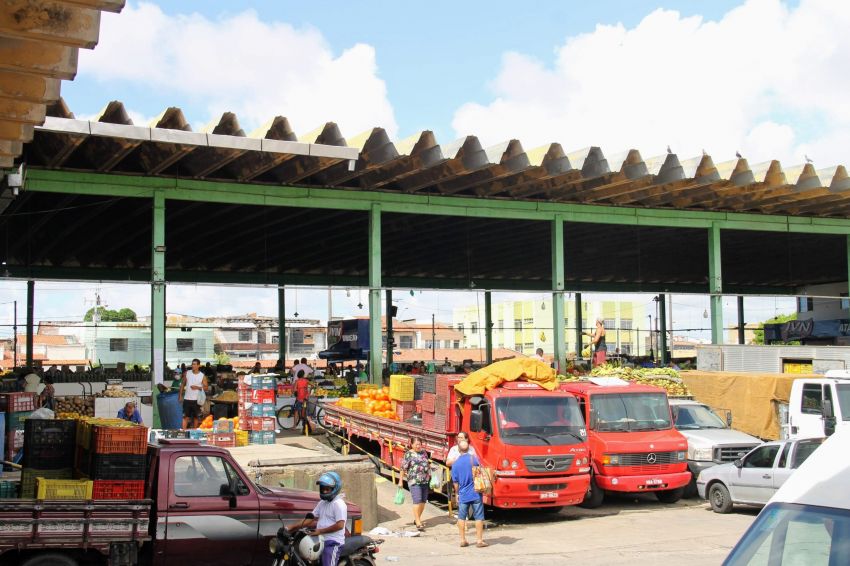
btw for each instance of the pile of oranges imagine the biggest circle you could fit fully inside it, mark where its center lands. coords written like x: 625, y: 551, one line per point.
x: 377, y: 402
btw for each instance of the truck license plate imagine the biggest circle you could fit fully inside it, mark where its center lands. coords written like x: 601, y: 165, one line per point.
x: 549, y: 495
x: 654, y: 482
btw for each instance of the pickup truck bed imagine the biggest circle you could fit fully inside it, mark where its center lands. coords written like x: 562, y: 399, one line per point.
x: 91, y: 525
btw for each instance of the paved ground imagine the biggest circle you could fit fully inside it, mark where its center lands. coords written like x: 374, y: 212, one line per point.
x: 634, y: 532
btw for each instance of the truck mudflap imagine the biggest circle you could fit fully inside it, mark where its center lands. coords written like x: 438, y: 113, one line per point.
x: 512, y: 492
x: 649, y: 482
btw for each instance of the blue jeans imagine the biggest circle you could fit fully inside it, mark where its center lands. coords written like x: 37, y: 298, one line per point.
x: 476, y: 507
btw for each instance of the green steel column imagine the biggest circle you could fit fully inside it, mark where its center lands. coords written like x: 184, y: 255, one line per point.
x: 488, y: 326
x: 662, y: 334
x: 559, y: 338
x: 281, y: 324
x: 715, y: 284
x: 742, y: 336
x: 30, y: 319
x: 389, y: 299
x: 579, y: 325
x: 375, y: 334
x: 158, y: 298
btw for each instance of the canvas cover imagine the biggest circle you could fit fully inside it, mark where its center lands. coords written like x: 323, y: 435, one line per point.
x: 492, y: 376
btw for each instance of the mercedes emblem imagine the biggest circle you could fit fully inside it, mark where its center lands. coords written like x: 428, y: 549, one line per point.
x: 651, y: 458
x: 549, y: 464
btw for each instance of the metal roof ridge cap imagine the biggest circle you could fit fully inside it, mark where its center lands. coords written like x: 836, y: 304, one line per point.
x: 172, y: 136
x: 333, y: 151
x: 269, y: 145
x: 233, y: 142
x: 124, y: 131
x: 65, y: 125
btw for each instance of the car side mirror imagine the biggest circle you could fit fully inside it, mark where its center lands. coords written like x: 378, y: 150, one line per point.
x: 828, y: 418
x: 476, y: 420
x: 229, y: 490
x: 739, y: 463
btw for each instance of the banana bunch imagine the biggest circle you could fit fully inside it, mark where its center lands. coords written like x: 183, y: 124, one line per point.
x: 665, y: 378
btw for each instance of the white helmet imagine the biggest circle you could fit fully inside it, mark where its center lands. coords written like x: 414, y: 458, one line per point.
x: 310, y: 547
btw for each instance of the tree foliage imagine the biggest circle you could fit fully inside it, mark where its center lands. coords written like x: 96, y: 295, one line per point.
x: 758, y: 334
x: 107, y: 315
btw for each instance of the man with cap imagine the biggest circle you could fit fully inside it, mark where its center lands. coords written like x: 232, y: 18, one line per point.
x: 129, y: 413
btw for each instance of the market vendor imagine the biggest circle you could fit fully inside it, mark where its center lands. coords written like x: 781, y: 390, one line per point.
x: 597, y: 341
x: 129, y: 413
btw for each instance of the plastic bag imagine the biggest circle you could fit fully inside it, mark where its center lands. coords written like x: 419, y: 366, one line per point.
x: 42, y: 413
x: 436, y: 478
x: 202, y: 397
x: 399, y: 497
x: 481, y: 479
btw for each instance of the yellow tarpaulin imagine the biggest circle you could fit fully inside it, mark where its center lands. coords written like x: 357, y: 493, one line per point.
x: 490, y: 377
x: 752, y: 397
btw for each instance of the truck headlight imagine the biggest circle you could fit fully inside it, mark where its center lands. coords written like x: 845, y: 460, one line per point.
x: 698, y: 454
x: 680, y: 456
x: 611, y: 460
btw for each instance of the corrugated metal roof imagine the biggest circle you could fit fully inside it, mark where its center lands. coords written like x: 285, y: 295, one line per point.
x: 371, y: 161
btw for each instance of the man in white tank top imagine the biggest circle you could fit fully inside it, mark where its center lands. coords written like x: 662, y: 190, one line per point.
x: 193, y: 382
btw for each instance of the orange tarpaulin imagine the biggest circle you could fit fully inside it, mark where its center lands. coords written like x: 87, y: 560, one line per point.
x: 492, y: 376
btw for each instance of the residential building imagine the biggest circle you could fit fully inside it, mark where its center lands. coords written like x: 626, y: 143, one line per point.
x: 749, y: 333
x: 255, y: 338
x: 524, y: 326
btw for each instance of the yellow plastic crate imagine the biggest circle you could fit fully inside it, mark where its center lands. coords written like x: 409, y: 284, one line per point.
x: 63, y: 489
x: 367, y: 386
x: 401, y: 387
x: 242, y: 438
x: 353, y: 404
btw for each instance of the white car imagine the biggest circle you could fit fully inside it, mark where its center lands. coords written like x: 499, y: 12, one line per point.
x: 754, y: 479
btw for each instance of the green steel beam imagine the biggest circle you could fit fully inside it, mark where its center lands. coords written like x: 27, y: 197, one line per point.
x: 30, y: 319
x: 558, y: 270
x: 375, y: 350
x: 157, y: 279
x: 662, y: 330
x: 488, y: 326
x: 389, y: 298
x: 579, y: 326
x: 715, y: 284
x: 111, y: 185
x: 281, y: 323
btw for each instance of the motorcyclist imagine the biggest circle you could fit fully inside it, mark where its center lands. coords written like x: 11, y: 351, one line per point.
x: 328, y: 518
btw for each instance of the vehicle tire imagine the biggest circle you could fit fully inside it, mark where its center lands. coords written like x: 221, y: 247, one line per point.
x: 595, y: 496
x: 552, y: 510
x: 670, y: 495
x: 719, y: 498
x: 52, y: 559
x: 691, y: 489
x: 363, y: 562
x: 286, y: 417
x: 320, y: 417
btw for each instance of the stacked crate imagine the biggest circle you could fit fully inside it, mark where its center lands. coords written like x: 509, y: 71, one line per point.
x: 17, y: 407
x: 404, y: 409
x: 49, y: 451
x: 114, y: 457
x: 222, y: 434
x: 402, y: 388
x: 429, y: 400
x: 257, y: 408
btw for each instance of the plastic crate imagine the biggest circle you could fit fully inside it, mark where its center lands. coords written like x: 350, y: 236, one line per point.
x: 401, y: 388
x: 117, y: 467
x: 223, y: 439
x: 17, y: 402
x: 49, y: 444
x: 85, y: 425
x: 201, y: 435
x: 404, y: 409
x: 263, y: 423
x: 264, y: 396
x: 260, y: 437
x: 14, y: 440
x: 223, y: 425
x: 29, y: 475
x: 126, y: 490
x: 16, y: 421
x: 258, y: 410
x: 429, y: 402
x: 263, y: 382
x: 243, y: 438
x: 119, y: 439
x: 82, y: 461
x: 428, y: 383
x: 9, y: 489
x: 63, y: 489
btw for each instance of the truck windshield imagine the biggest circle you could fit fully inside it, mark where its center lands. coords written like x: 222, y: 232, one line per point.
x: 696, y: 417
x: 630, y: 411
x: 843, y: 391
x: 537, y: 421
x: 787, y: 533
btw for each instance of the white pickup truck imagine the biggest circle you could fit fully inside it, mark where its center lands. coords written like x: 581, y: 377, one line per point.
x: 818, y: 405
x: 753, y: 479
x: 711, y: 441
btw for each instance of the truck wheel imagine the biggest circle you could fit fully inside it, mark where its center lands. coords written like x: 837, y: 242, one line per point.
x: 670, y: 495
x: 595, y: 495
x: 50, y: 560
x: 718, y: 496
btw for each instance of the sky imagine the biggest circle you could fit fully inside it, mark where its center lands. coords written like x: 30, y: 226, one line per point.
x: 761, y: 77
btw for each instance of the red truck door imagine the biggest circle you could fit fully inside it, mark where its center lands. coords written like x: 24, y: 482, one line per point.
x: 205, y: 524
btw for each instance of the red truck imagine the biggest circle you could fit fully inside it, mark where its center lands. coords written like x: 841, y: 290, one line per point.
x: 202, y: 509
x: 533, y: 440
x: 633, y: 443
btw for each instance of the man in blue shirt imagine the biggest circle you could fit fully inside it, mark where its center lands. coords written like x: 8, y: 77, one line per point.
x: 129, y: 413
x: 468, y: 500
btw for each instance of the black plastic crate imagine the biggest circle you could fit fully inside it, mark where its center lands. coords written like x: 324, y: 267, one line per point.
x: 49, y: 444
x: 428, y: 383
x: 117, y: 467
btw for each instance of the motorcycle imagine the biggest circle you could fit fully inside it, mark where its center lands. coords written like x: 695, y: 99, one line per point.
x: 287, y: 550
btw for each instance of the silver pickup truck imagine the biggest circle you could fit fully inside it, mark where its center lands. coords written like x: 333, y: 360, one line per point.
x: 711, y: 441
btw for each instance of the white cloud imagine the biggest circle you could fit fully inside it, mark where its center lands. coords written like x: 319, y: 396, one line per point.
x: 765, y: 80
x: 240, y: 63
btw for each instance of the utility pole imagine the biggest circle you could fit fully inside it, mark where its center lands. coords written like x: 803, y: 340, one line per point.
x: 433, y: 337
x: 15, y: 332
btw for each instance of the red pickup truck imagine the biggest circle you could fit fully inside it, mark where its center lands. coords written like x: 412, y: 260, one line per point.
x: 533, y: 440
x: 202, y: 509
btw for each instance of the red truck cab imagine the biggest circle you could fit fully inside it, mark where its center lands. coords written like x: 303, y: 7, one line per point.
x: 534, y: 440
x: 633, y: 444
x: 203, y: 510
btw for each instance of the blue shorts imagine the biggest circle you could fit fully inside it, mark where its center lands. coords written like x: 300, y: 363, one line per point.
x: 419, y: 492
x: 330, y: 554
x: 476, y: 507
x: 297, y: 406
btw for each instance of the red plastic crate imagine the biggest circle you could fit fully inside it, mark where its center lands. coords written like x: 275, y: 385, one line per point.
x: 119, y: 489
x: 263, y: 396
x: 17, y: 402
x: 223, y: 439
x: 119, y: 440
x: 263, y: 423
x: 429, y: 401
